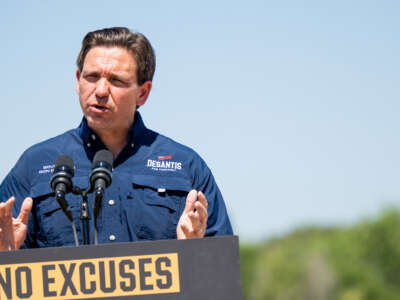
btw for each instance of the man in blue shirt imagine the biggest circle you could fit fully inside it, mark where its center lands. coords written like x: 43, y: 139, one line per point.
x: 160, y: 189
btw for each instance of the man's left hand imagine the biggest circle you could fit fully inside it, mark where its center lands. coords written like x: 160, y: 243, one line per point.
x: 193, y: 221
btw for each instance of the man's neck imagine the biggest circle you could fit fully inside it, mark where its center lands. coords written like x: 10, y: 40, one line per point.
x: 114, y: 141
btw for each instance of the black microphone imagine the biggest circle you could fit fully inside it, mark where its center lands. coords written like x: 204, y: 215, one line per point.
x: 61, y: 182
x: 100, y: 177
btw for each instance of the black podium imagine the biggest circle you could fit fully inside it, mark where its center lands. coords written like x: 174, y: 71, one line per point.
x: 196, y: 269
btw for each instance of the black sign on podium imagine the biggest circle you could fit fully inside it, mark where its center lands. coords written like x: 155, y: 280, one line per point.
x: 195, y: 269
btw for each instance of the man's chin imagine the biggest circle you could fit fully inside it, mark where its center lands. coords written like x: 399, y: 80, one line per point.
x: 97, y: 123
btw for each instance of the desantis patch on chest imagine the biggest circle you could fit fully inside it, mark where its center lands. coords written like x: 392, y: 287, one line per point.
x: 164, y: 163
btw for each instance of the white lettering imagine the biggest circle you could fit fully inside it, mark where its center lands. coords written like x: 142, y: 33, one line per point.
x: 164, y: 165
x: 48, y: 167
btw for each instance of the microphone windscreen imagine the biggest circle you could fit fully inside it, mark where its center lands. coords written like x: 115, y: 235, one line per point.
x: 103, y: 156
x: 64, y: 161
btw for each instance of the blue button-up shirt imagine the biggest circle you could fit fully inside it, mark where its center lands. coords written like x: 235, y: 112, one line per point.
x: 151, y: 179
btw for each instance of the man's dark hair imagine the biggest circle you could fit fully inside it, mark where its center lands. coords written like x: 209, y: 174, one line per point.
x: 122, y: 37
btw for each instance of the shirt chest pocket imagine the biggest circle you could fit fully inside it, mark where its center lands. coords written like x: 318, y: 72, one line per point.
x: 53, y: 227
x: 153, y: 206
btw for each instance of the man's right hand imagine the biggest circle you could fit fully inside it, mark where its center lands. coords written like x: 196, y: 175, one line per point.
x: 13, y: 231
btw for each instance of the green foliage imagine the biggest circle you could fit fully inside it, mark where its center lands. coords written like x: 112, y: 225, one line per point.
x: 249, y: 254
x: 361, y: 262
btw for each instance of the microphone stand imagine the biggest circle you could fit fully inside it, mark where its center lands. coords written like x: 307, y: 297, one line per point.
x: 85, y: 215
x: 98, y: 197
x: 60, y: 197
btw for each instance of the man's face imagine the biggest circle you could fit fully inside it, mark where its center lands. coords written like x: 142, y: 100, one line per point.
x: 108, y: 89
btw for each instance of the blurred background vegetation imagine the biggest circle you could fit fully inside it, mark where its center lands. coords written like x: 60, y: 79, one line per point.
x: 359, y: 262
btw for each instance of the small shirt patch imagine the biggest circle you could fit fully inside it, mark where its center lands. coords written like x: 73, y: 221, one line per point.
x: 47, y: 169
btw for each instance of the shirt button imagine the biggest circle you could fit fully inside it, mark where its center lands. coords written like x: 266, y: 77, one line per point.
x: 88, y: 144
x: 112, y: 237
x: 132, y: 145
x: 111, y: 202
x: 93, y: 137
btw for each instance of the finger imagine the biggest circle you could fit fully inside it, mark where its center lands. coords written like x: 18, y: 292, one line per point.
x: 190, y: 201
x: 202, y: 211
x: 25, y: 210
x: 2, y: 209
x: 185, y: 231
x: 8, y: 207
x: 202, y: 199
x: 196, y: 225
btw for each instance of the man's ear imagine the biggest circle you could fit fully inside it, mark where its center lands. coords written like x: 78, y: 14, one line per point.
x: 78, y: 77
x: 145, y: 89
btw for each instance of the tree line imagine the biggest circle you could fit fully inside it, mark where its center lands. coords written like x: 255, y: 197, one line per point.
x: 359, y: 262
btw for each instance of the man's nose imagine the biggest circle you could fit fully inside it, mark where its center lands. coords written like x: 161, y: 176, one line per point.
x: 102, y: 88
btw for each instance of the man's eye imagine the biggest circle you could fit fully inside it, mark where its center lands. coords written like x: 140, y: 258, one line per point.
x: 91, y: 78
x: 117, y: 82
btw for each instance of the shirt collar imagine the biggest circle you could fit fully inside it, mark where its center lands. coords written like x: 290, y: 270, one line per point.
x: 135, y: 133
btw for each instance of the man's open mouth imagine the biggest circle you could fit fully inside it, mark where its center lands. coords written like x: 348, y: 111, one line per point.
x: 99, y: 107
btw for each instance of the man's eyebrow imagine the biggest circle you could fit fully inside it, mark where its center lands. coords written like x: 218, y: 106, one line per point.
x: 117, y: 76
x: 90, y: 72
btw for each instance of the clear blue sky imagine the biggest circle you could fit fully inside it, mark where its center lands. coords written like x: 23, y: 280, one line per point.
x: 293, y: 104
